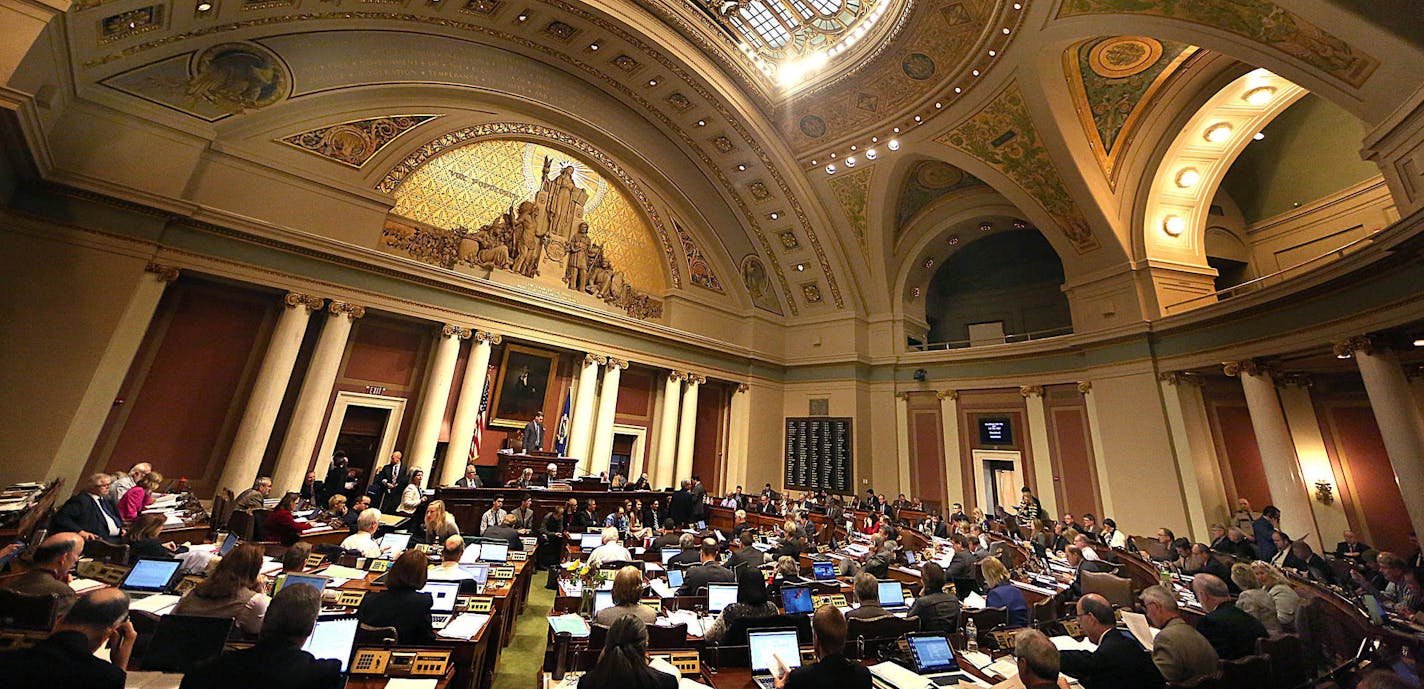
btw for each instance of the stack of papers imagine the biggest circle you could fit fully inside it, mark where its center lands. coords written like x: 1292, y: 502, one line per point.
x: 1143, y: 632
x: 570, y: 623
x: 1005, y: 667
x: 975, y: 601
x: 661, y: 588
x: 411, y: 683
x: 81, y: 585
x: 160, y: 604
x: 695, y: 624
x: 976, y: 658
x: 466, y: 625
x: 1068, y: 643
x: 342, y: 572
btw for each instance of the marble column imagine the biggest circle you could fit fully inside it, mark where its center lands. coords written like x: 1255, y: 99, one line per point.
x: 902, y: 442
x: 585, y: 398
x: 687, y: 428
x: 738, y: 442
x: 1100, y: 459
x: 1043, y: 487
x: 1294, y: 389
x: 255, y: 429
x: 602, y: 450
x: 1197, y: 464
x: 108, y: 379
x: 425, y: 431
x: 1400, y: 426
x: 304, y: 430
x: 953, y: 462
x: 666, y: 465
x: 467, y: 408
x: 1273, y: 439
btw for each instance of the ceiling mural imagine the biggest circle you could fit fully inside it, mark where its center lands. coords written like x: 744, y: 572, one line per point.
x: 1261, y: 21
x: 699, y: 269
x: 852, y: 192
x: 212, y: 84
x: 1003, y: 135
x: 928, y: 180
x: 355, y: 143
x: 758, y: 284
x: 1113, y: 80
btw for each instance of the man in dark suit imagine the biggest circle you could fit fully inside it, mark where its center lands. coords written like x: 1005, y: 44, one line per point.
x: 831, y: 668
x: 471, y: 479
x: 709, y: 571
x: 505, y: 531
x: 1120, y: 661
x: 277, y: 660
x: 353, y: 514
x: 867, y: 593
x: 668, y: 536
x: 1263, y: 528
x: 681, y: 504
x: 1352, y: 548
x: 961, y: 564
x: 745, y: 554
x: 1315, y: 566
x: 335, y: 477
x: 1080, y: 564
x: 587, y: 518
x: 534, y: 433
x: 89, y: 512
x: 389, y: 483
x: 1231, y: 630
x: 66, y: 659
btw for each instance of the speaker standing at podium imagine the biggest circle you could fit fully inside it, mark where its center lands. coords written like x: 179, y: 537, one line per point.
x: 534, y: 434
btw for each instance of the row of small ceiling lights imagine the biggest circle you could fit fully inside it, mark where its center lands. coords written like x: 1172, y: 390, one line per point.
x: 893, y: 144
x: 1186, y: 178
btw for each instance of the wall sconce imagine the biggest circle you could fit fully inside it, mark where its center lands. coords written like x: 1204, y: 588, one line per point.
x: 1324, y: 492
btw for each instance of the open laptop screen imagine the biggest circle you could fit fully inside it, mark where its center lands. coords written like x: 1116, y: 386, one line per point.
x: 891, y: 594
x: 602, y: 600
x: 150, y: 575
x: 824, y: 571
x: 333, y: 639
x: 394, y: 543
x: 796, y: 599
x: 932, y: 654
x: 228, y: 544
x: 675, y: 577
x: 669, y: 553
x: 589, y: 541
x: 479, y: 571
x: 767, y: 647
x: 720, y: 596
x: 494, y: 552
x: 180, y: 642
x: 443, y: 594
x: 319, y: 583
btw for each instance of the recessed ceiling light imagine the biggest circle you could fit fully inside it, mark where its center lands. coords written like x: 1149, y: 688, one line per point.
x: 831, y: 168
x: 702, y: 123
x: 850, y: 162
x: 897, y: 130
x: 870, y: 154
x: 593, y: 46
x: 1258, y: 136
x: 985, y: 227
x: 917, y: 118
x: 1018, y: 6
x: 874, y: 139
x: 992, y: 53
x: 800, y: 267
x: 958, y: 90
x: 205, y: 6
x: 938, y: 106
x: 774, y: 216
x: 741, y: 168
x: 1260, y: 95
x: 1174, y: 225
x: 1188, y: 178
x: 894, y: 144
x: 852, y: 148
x: 652, y: 82
x: 1218, y: 133
x: 1006, y: 31
x: 833, y: 156
x: 975, y: 72
x: 523, y: 17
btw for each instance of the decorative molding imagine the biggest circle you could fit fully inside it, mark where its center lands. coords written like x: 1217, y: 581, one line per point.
x: 676, y: 375
x: 902, y: 396
x: 694, y: 379
x: 1030, y: 391
x: 947, y: 395
x: 1085, y: 387
x: 162, y: 273
x: 617, y: 363
x: 1181, y: 378
x: 595, y: 359
x: 295, y: 299
x: 452, y: 330
x: 354, y: 143
x: 1247, y: 367
x: 743, y: 387
x: 352, y: 311
x: 484, y: 337
x: 1346, y: 348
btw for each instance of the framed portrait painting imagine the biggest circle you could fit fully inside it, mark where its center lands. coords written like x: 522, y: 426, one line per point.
x: 525, y: 377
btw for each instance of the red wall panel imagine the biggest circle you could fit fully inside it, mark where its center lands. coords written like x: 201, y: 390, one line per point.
x: 386, y: 352
x: 707, y: 440
x: 1072, y: 450
x: 1356, y: 437
x: 1236, y: 437
x: 635, y: 394
x: 927, y: 455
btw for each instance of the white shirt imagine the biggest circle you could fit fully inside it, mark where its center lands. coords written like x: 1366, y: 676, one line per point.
x: 491, y: 518
x: 1118, y: 539
x: 448, y: 571
x: 113, y: 525
x: 362, y: 541
x: 612, y: 551
x: 1089, y: 553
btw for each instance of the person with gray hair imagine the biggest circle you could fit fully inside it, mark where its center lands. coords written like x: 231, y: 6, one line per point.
x: 1037, y: 659
x: 1180, y: 652
x: 90, y: 512
x: 252, y: 498
x: 867, y: 593
x: 277, y: 660
x: 123, y: 482
x: 364, y: 539
x: 1254, y: 599
x: 52, y: 560
x: 66, y: 659
x: 1120, y: 662
x: 1231, y: 630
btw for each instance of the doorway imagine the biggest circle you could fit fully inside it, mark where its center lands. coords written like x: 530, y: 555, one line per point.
x: 365, y: 426
x: 998, y: 478
x: 360, y: 439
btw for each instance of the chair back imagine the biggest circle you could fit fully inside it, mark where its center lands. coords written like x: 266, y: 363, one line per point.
x: 985, y: 621
x: 106, y: 552
x: 240, y: 523
x: 875, y: 635
x: 273, y: 549
x: 1151, y: 546
x: 1208, y: 681
x: 597, y: 636
x: 367, y: 634
x: 1251, y: 671
x: 665, y: 638
x: 1287, y: 656
x: 222, y: 509
x: 1117, y: 590
x: 737, y: 630
x: 28, y: 611
x: 963, y: 587
x: 259, y: 524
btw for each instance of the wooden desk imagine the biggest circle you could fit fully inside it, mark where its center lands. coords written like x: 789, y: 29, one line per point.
x: 511, y: 465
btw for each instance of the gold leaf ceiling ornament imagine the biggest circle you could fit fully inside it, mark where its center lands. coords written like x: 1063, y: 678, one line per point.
x: 1003, y: 135
x: 356, y: 142
x: 852, y: 192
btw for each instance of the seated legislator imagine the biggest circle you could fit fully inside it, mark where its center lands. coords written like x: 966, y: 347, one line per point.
x: 336, y: 508
x: 961, y: 563
x: 252, y: 498
x: 690, y: 555
x: 401, y: 605
x: 363, y: 541
x: 449, y: 568
x: 1231, y: 630
x: 123, y: 482
x: 788, y: 572
x: 1254, y: 599
x: 879, y: 563
x: 135, y: 500
x: 831, y: 670
x: 1282, y: 593
x: 506, y: 530
x: 867, y: 593
x: 277, y: 661
x: 471, y: 479
x: 751, y: 603
x: 361, y: 504
x: 698, y: 577
x: 668, y: 537
x: 612, y: 549
x: 439, y: 524
x: 1179, y: 651
x: 1075, y: 558
x: 89, y: 512
x: 1352, y: 548
x: 1119, y: 663
x: 792, y: 545
x: 1003, y: 593
x: 627, y: 592
x: 1037, y: 660
x: 294, y: 561
x: 280, y: 525
x: 66, y: 660
x: 623, y: 663
x: 937, y: 609
x: 1313, y: 565
x: 142, y: 539
x: 235, y: 590
x: 52, y: 559
x: 745, y: 555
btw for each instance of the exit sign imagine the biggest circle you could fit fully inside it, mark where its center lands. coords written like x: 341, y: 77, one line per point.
x: 375, y: 390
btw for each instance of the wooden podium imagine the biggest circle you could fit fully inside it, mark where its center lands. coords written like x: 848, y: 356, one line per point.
x: 511, y: 465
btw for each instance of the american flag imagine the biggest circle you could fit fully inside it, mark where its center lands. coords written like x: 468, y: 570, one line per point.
x: 480, y: 417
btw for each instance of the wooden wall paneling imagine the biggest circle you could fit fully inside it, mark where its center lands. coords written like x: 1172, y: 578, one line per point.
x: 1075, y: 473
x: 1366, y: 474
x: 390, y: 354
x: 927, y: 455
x: 708, y: 450
x: 1235, y: 441
x: 974, y: 404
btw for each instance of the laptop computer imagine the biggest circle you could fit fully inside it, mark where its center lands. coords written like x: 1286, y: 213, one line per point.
x: 720, y: 596
x: 148, y: 577
x: 228, y: 544
x: 823, y: 571
x: 316, y: 581
x: 333, y: 639
x: 443, y: 595
x: 892, y: 594
x: 770, y: 650
x: 494, y: 551
x: 601, y: 601
x: 675, y: 577
x: 479, y: 571
x: 472, y: 551
x: 589, y: 541
x: 796, y: 600
x: 934, y: 659
x: 668, y: 554
x: 180, y: 642
x: 1373, y: 609
x: 394, y: 543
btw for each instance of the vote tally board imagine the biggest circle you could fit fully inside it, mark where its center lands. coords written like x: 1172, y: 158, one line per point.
x: 818, y: 453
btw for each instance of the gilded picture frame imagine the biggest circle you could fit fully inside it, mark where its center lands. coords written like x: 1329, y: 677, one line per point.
x: 526, y: 375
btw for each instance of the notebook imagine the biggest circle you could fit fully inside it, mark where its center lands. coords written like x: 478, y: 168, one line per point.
x: 933, y: 656
x: 675, y: 577
x: 394, y: 543
x: 668, y: 554
x: 228, y: 544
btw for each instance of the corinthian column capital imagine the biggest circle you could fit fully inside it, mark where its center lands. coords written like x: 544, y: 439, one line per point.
x: 1031, y: 391
x: 162, y: 273
x: 307, y: 301
x: 1346, y: 348
x: 598, y: 359
x: 694, y: 379
x: 617, y: 363
x: 342, y: 308
x: 1085, y: 387
x: 677, y: 375
x: 452, y: 330
x: 947, y: 394
x: 486, y: 337
x: 743, y: 387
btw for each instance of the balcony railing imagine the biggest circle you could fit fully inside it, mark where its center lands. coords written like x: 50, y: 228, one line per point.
x: 1008, y: 338
x: 1276, y: 278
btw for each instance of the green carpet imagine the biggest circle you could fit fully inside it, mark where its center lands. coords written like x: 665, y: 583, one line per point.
x: 523, y: 658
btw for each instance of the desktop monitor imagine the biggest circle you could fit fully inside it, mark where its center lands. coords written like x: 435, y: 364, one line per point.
x: 601, y: 601
x: 479, y: 571
x: 150, y: 576
x: 824, y: 571
x: 766, y: 647
x: 180, y: 642
x: 720, y: 596
x: 333, y: 639
x: 675, y: 578
x: 796, y: 600
x: 494, y: 551
x: 891, y: 594
x: 932, y: 654
x: 228, y: 544
x: 394, y: 543
x: 318, y: 582
x: 669, y: 554
x: 443, y: 595
x: 589, y: 541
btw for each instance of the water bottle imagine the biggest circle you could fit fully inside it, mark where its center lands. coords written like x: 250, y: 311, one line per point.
x: 971, y: 636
